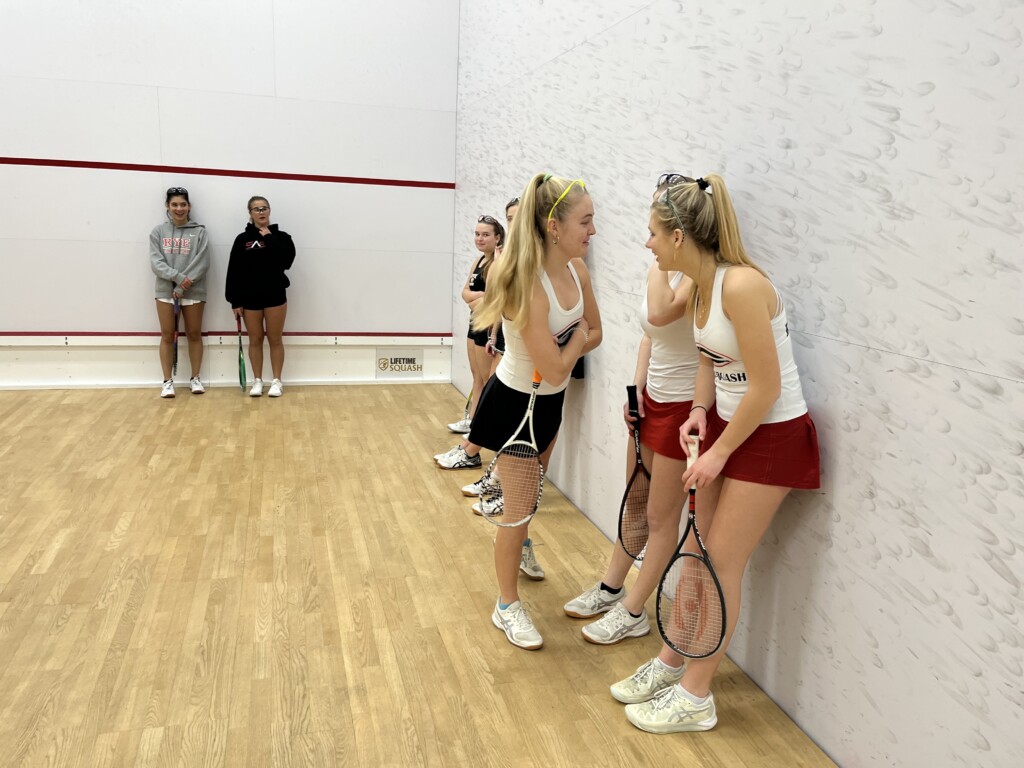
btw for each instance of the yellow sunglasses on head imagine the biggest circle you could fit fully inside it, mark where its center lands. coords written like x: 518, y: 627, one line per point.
x: 561, y: 197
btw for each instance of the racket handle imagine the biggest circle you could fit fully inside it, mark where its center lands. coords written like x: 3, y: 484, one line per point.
x: 537, y: 378
x: 634, y: 406
x: 693, y: 451
x: 238, y: 324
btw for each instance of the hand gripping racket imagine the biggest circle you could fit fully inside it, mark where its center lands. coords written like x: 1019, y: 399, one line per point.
x: 514, y: 500
x: 241, y: 355
x: 691, y: 606
x: 177, y: 312
x: 633, y: 528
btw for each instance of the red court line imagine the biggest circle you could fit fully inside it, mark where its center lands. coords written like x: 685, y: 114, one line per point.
x: 375, y: 334
x: 224, y: 172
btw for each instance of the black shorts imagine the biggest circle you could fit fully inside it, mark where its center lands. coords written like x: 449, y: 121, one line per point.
x: 477, y: 337
x: 259, y: 303
x: 500, y: 409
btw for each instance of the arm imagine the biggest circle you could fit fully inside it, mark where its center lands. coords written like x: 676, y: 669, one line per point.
x: 283, y: 248
x: 231, y: 285
x: 554, y: 363
x: 591, y: 314
x: 158, y: 263
x: 200, y: 263
x: 472, y: 298
x: 665, y: 305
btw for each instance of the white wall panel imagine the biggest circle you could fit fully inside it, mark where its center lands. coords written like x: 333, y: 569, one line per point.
x: 77, y: 120
x: 242, y: 132
x: 874, y: 158
x: 220, y: 46
x: 389, y: 53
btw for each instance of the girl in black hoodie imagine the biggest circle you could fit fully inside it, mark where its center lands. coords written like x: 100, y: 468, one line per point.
x: 256, y: 289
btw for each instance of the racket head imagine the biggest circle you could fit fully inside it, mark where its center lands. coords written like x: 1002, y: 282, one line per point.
x: 691, y: 607
x: 633, y: 527
x: 516, y: 484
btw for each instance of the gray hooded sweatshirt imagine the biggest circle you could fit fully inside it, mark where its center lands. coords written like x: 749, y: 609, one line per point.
x: 176, y: 253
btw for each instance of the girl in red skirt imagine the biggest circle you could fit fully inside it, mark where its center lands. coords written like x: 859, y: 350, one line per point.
x: 757, y: 440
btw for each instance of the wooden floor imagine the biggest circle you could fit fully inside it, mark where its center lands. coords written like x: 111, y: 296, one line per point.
x: 221, y: 580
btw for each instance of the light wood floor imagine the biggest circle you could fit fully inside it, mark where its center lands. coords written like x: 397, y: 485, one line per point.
x: 221, y: 580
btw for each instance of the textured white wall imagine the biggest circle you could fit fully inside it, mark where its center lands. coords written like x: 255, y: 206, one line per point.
x: 319, y: 87
x: 873, y: 152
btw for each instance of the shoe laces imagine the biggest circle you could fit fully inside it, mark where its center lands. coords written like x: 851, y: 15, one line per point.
x: 616, y: 617
x: 644, y: 675
x: 529, y: 558
x: 664, y: 699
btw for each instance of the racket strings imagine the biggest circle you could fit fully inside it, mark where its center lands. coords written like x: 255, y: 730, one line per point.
x: 520, y: 487
x: 635, y: 529
x: 690, y: 611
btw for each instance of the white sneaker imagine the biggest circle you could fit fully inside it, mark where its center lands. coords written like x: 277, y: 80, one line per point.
x: 489, y: 507
x: 196, y: 385
x: 615, y: 626
x: 651, y: 678
x: 481, y: 485
x: 528, y: 562
x: 672, y: 711
x: 167, y: 390
x: 517, y: 625
x: 460, y: 427
x: 457, y: 458
x: 276, y: 388
x: 257, y: 388
x: 592, y: 602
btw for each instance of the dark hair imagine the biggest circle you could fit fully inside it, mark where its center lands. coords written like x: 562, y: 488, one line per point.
x: 177, y: 192
x: 511, y: 204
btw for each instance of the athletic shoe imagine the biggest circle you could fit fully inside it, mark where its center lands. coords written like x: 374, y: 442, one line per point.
x: 592, y: 602
x: 450, y: 452
x: 457, y: 458
x: 257, y: 388
x: 648, y: 681
x: 460, y: 427
x: 517, y: 625
x: 671, y: 711
x: 475, y: 489
x: 276, y: 388
x: 615, y: 626
x: 196, y: 385
x: 528, y: 562
x: 167, y: 390
x: 489, y: 507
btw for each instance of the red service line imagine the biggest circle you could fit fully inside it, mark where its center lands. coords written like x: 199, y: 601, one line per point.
x: 225, y: 172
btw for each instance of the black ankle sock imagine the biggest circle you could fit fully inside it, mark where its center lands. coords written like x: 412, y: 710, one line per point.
x: 635, y: 615
x: 609, y: 590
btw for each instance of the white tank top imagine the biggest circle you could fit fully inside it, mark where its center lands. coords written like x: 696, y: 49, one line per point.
x: 672, y: 371
x: 516, y: 368
x: 718, y: 341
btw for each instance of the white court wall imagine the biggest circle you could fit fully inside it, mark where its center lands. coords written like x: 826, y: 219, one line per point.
x: 874, y: 154
x: 278, y: 87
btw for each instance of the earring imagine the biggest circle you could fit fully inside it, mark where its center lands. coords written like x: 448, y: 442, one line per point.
x: 556, y: 239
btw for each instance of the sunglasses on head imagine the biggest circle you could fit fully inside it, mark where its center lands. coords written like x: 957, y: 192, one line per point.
x: 510, y: 203
x: 177, y: 191
x: 485, y: 219
x: 671, y: 178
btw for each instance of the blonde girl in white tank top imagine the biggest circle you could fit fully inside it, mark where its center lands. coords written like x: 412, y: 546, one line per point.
x: 694, y: 230
x: 540, y: 275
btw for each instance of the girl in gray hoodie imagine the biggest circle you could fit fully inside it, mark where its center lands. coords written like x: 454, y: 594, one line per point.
x: 179, y: 258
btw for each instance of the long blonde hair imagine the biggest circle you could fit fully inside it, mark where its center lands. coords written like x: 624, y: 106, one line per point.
x: 709, y: 219
x: 511, y: 278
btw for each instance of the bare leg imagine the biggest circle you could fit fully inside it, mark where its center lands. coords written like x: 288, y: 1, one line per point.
x: 165, y: 314
x: 275, y: 337
x: 664, y: 507
x: 508, y: 545
x: 479, y: 364
x: 254, y: 327
x: 743, y: 514
x: 193, y: 315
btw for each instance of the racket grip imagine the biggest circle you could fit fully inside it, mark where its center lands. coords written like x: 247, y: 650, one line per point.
x: 693, y: 451
x: 537, y: 378
x: 634, y: 406
x: 238, y: 324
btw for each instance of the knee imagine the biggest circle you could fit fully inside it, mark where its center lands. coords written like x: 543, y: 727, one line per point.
x: 275, y: 339
x: 195, y: 337
x: 167, y: 337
